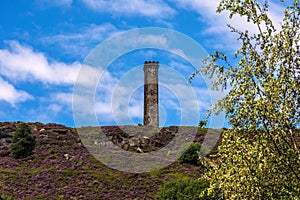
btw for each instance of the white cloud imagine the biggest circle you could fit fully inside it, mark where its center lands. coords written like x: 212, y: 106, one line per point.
x: 180, y: 53
x: 136, y: 108
x: 104, y: 111
x: 21, y: 63
x: 55, y: 108
x: 105, y: 89
x: 149, y: 8
x: 92, y: 32
x: 156, y: 40
x: 11, y: 94
x: 217, y: 23
x: 276, y: 12
x: 59, y: 102
x: 89, y: 76
x: 80, y: 42
x: 63, y: 98
x: 95, y: 102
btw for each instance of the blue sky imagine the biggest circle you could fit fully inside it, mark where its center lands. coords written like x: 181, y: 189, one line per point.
x: 43, y: 44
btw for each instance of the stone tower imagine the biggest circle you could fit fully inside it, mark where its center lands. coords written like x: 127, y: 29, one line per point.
x: 151, y: 93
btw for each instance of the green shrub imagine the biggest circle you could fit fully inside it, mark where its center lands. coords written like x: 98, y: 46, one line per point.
x: 183, y: 189
x: 51, y: 151
x: 191, y: 155
x: 2, y: 197
x: 23, y: 141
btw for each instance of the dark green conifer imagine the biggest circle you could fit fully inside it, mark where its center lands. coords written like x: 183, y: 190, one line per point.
x: 23, y: 141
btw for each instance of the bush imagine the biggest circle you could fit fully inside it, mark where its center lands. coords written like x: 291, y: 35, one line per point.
x: 182, y: 189
x: 191, y: 155
x: 23, y: 141
x: 2, y: 197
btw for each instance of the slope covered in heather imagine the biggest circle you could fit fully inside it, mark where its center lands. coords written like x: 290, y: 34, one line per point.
x: 62, y: 168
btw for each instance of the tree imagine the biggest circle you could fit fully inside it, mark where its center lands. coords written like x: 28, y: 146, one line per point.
x: 23, y: 141
x: 183, y: 188
x: 259, y: 157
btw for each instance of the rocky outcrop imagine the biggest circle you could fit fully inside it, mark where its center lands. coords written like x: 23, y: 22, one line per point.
x: 6, y: 131
x: 139, y: 138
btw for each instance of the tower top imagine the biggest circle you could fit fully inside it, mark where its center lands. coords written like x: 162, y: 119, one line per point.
x: 146, y: 62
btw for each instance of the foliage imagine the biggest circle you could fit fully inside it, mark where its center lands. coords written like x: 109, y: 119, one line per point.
x: 202, y: 124
x: 23, y: 141
x: 2, y: 197
x: 191, y: 155
x: 259, y: 158
x: 185, y: 188
x: 251, y: 168
x: 51, y: 151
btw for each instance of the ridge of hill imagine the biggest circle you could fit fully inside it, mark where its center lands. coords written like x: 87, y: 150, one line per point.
x: 62, y: 168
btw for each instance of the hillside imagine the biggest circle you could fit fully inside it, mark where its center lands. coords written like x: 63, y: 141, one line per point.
x: 62, y: 168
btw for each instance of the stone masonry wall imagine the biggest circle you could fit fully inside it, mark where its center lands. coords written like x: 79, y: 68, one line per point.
x: 151, y: 93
